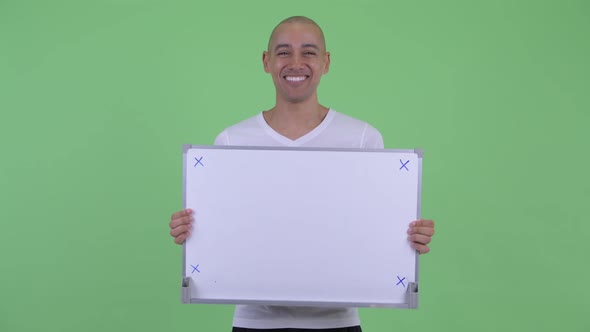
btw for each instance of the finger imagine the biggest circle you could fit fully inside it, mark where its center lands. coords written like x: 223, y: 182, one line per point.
x: 181, y: 221
x: 421, y: 230
x: 181, y: 238
x: 421, y: 248
x: 419, y: 238
x: 175, y: 232
x: 182, y: 213
x: 422, y: 223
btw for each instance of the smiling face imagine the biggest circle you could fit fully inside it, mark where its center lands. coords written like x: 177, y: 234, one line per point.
x: 296, y: 59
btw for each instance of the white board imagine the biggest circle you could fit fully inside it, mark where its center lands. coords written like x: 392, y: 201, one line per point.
x: 301, y: 227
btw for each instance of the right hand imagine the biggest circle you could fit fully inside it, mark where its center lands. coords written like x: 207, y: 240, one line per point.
x: 181, y: 224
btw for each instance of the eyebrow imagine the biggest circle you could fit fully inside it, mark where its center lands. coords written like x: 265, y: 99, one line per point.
x: 303, y: 46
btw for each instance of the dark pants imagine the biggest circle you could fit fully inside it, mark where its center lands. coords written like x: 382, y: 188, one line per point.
x: 342, y: 329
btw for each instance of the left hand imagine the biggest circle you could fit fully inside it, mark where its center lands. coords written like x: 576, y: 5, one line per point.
x: 420, y: 234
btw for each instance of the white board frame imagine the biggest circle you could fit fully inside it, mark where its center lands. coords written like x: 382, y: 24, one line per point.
x: 189, y: 286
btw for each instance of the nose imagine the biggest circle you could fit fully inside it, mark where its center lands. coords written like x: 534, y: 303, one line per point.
x: 297, y: 61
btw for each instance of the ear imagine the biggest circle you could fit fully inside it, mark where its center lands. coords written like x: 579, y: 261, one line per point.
x: 327, y: 62
x: 265, y: 61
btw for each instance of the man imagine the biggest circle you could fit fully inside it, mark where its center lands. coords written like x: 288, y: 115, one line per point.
x: 296, y: 59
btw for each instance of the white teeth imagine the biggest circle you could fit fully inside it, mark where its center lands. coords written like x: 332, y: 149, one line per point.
x: 295, y: 78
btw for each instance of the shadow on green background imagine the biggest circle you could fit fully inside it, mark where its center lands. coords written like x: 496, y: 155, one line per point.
x: 97, y: 98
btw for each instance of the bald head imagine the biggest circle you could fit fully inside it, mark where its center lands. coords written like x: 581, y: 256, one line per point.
x: 300, y: 20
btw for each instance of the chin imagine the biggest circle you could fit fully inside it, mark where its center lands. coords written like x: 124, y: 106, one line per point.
x: 296, y: 99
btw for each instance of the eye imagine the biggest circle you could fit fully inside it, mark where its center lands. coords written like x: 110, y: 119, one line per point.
x: 283, y: 53
x: 309, y: 53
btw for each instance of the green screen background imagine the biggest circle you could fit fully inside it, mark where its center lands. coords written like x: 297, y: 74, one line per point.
x: 97, y: 98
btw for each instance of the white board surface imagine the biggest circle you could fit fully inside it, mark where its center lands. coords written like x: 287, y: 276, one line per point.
x: 313, y: 227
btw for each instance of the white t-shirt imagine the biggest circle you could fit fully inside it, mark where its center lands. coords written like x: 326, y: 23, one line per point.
x: 335, y: 131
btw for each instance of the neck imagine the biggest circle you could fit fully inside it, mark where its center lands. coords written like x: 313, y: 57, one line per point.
x: 294, y: 120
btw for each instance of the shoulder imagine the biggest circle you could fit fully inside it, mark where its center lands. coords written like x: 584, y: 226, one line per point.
x: 369, y: 136
x: 245, y: 128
